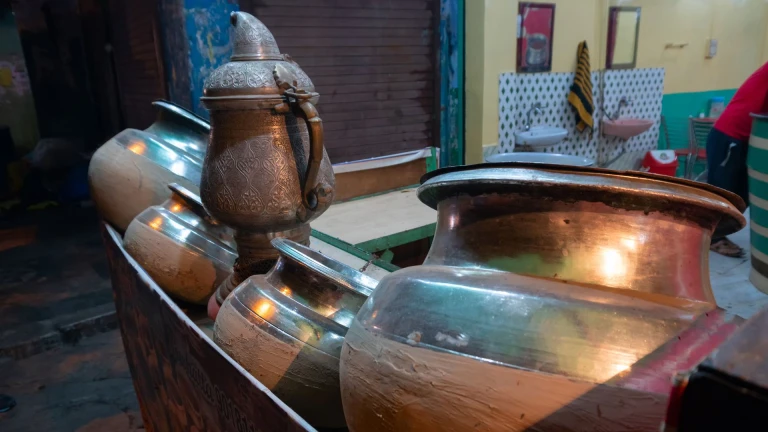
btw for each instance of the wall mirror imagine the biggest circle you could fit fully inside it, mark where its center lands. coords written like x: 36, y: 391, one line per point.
x: 623, y: 29
x: 535, y: 28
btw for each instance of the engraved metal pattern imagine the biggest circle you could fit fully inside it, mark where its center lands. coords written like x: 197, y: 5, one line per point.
x: 237, y: 75
x: 253, y: 75
x: 254, y: 57
x: 252, y: 37
x: 256, y: 168
x: 260, y: 176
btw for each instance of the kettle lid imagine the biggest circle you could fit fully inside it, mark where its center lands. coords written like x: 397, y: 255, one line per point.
x: 253, y: 40
x: 249, y: 75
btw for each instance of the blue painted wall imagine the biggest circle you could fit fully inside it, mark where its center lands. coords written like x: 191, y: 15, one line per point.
x: 451, y: 82
x: 676, y: 109
x: 208, y: 32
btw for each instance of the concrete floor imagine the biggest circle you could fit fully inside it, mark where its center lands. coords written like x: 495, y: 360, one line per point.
x: 61, y: 356
x: 84, y: 388
x: 730, y: 280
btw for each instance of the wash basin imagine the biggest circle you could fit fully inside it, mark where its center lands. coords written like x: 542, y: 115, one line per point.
x: 543, y: 158
x: 540, y: 136
x: 626, y: 128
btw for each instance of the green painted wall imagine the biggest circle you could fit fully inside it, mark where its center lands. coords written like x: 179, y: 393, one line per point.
x: 676, y: 109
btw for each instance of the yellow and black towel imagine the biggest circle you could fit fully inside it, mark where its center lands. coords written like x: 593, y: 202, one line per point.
x: 580, y: 96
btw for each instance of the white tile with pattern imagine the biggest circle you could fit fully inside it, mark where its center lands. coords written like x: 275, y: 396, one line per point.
x: 518, y: 92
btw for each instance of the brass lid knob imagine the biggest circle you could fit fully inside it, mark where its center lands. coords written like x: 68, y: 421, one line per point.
x: 253, y: 40
x: 247, y: 80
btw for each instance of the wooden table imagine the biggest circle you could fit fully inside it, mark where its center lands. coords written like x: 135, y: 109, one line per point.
x: 378, y: 223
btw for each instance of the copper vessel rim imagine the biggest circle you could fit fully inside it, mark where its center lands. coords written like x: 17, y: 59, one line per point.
x: 730, y: 196
x: 272, y: 98
x: 204, y: 125
x: 321, y: 265
x: 433, y: 190
x: 255, y: 57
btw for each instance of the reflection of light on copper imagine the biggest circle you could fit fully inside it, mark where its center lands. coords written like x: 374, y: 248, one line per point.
x: 453, y: 221
x: 178, y: 167
x: 286, y: 291
x: 156, y: 223
x: 613, y: 264
x: 373, y: 315
x: 176, y: 208
x: 264, y: 309
x: 326, y: 311
x: 620, y: 367
x: 137, y: 147
x: 628, y: 243
x: 307, y: 332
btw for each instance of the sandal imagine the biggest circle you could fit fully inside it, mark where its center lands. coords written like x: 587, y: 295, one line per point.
x: 727, y: 248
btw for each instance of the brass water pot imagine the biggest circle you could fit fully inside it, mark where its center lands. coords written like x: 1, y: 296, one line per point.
x: 549, y: 296
x: 266, y: 173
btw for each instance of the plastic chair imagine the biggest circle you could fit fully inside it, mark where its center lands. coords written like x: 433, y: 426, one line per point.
x: 698, y: 131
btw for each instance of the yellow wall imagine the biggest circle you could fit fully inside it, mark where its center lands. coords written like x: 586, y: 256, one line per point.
x: 741, y: 27
x: 738, y: 25
x: 491, y: 49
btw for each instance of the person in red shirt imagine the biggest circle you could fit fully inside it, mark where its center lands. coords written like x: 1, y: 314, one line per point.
x: 727, y: 145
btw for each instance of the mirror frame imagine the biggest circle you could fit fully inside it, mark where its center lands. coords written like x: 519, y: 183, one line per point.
x: 613, y: 13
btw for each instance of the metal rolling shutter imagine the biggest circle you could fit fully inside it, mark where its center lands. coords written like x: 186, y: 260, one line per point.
x: 373, y: 63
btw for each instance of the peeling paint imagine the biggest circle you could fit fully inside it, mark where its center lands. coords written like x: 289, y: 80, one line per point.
x: 208, y: 33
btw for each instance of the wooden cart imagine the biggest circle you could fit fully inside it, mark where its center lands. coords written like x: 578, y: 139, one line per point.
x: 184, y: 382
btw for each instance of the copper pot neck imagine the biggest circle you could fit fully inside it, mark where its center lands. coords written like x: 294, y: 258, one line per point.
x: 588, y: 243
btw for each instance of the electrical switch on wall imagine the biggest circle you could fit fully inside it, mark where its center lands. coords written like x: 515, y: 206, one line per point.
x: 711, y: 48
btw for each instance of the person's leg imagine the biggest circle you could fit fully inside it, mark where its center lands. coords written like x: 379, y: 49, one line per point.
x: 727, y: 169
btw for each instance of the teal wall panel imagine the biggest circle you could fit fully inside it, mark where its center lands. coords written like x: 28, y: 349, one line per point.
x: 676, y: 109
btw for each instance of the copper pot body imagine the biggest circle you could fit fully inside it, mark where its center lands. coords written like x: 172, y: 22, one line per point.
x: 286, y: 328
x: 132, y: 170
x: 545, y: 289
x: 253, y: 176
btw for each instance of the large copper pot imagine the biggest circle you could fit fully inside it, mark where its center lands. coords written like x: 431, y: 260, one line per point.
x: 543, y: 284
x: 185, y: 251
x: 286, y: 328
x: 132, y: 171
x: 266, y: 174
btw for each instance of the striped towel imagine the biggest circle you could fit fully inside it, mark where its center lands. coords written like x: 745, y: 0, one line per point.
x: 580, y: 96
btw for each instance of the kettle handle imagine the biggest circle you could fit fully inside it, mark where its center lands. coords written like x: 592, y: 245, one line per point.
x: 314, y: 191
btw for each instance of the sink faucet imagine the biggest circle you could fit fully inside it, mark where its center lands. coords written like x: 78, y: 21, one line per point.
x: 624, y: 101
x: 535, y: 109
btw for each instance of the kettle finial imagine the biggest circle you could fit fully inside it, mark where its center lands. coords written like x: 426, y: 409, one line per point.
x: 252, y: 41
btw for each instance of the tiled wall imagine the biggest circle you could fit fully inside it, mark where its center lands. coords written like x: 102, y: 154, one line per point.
x: 517, y: 92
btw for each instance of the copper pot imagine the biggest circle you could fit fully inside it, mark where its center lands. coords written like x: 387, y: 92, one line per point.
x: 132, y: 171
x: 286, y: 328
x: 266, y: 173
x: 185, y: 251
x: 544, y: 292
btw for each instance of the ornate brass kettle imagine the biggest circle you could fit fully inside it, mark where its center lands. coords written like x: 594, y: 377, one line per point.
x: 266, y: 173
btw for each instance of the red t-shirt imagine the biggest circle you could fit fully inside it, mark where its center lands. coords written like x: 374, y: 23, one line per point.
x: 751, y: 97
